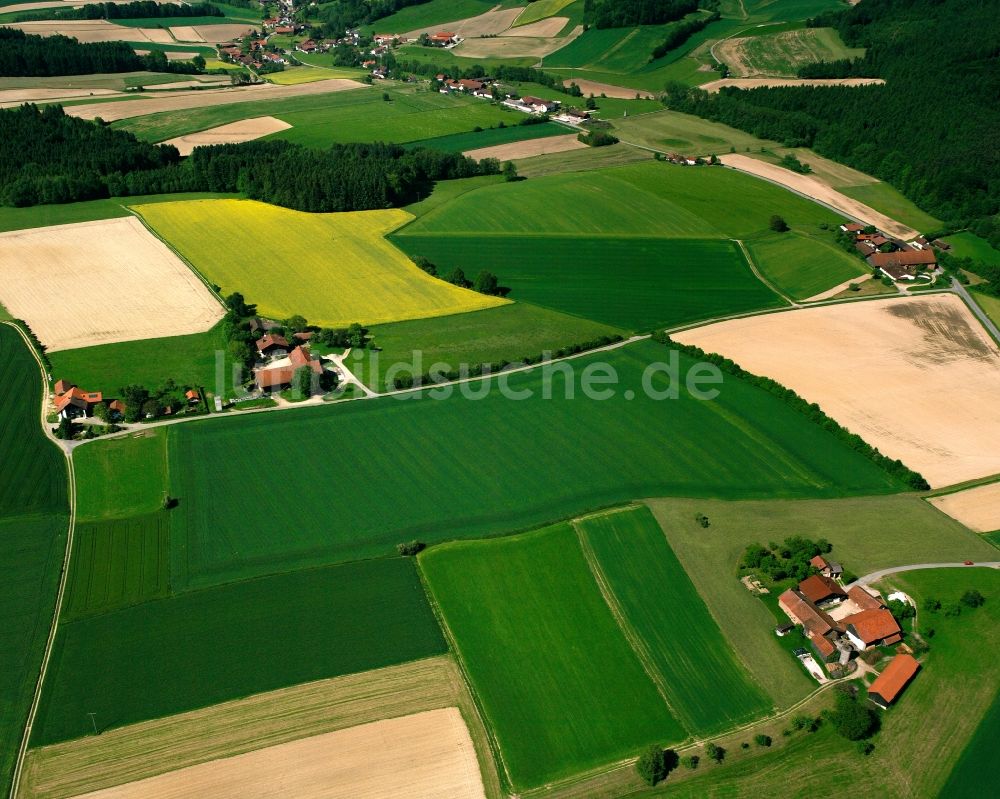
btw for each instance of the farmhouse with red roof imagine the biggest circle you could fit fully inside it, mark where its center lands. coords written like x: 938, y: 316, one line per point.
x: 893, y: 679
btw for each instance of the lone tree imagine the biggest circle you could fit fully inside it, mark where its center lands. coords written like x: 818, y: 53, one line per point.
x: 778, y: 224
x: 509, y: 172
x: 458, y: 278
x: 715, y: 752
x: 762, y: 740
x: 651, y: 765
x: 487, y: 283
x: 851, y: 717
x: 973, y: 598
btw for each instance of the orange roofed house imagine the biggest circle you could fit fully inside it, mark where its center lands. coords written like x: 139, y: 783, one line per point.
x: 276, y: 378
x: 870, y: 628
x: 72, y: 402
x: 819, y: 589
x: 893, y: 679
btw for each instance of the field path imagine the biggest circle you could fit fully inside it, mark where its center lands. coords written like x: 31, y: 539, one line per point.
x: 760, y: 276
x: 71, y: 476
x: 874, y: 577
x: 980, y: 314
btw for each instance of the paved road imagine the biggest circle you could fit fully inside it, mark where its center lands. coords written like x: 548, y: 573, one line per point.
x: 962, y: 292
x: 876, y: 576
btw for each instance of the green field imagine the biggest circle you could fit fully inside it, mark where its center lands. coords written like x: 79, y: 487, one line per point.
x: 187, y: 360
x: 883, y: 197
x: 432, y: 14
x: 781, y: 54
x: 803, y: 266
x: 989, y: 304
x: 628, y: 283
x: 490, y: 137
x: 644, y: 200
x: 207, y: 647
x: 541, y: 9
x: 555, y: 676
x: 671, y: 131
x: 978, y: 759
x: 121, y: 477
x: 867, y: 534
x: 33, y: 522
x: 579, y: 160
x: 508, y: 333
x: 923, y: 735
x: 371, y: 460
x: 118, y: 563
x: 969, y: 245
x: 708, y: 688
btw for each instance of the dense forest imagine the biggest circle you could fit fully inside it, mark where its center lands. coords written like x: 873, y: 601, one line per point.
x: 24, y: 55
x: 339, y: 15
x: 142, y: 9
x: 932, y: 131
x: 48, y: 157
x: 681, y: 32
x: 625, y: 13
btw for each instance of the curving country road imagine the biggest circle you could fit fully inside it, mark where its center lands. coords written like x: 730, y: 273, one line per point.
x: 876, y: 576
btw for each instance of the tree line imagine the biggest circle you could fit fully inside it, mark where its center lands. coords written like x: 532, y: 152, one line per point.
x: 338, y: 16
x: 49, y: 157
x: 681, y: 32
x: 626, y: 13
x: 892, y: 466
x: 933, y: 129
x: 26, y: 55
x: 141, y: 9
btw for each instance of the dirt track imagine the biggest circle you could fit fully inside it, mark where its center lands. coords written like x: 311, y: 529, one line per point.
x: 111, y: 112
x: 916, y: 377
x: 818, y: 190
x: 529, y: 148
x: 100, y: 282
x: 233, y: 133
x: 428, y: 754
x: 753, y: 83
x: 977, y: 508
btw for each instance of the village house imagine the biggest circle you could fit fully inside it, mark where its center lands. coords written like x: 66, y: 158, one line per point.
x: 852, y: 227
x: 272, y: 346
x: 826, y: 568
x: 276, y: 378
x: 893, y: 679
x: 285, y: 30
x: 443, y: 38
x: 72, y: 402
x: 903, y: 265
x: 869, y: 628
x: 116, y: 409
x: 306, y: 46
x: 820, y: 590
x: 192, y: 396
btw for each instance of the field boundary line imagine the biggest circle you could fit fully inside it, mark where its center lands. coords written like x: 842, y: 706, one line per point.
x: 760, y: 275
x: 635, y: 641
x: 492, y: 742
x: 64, y: 573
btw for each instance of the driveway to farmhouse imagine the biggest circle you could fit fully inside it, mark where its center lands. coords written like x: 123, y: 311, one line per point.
x: 876, y: 576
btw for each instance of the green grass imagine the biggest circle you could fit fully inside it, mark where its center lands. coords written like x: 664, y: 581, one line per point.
x: 579, y: 160
x: 207, y: 647
x: 533, y: 464
x: 118, y: 563
x: 430, y: 15
x: 541, y: 9
x: 969, y: 245
x: 643, y: 200
x: 490, y: 137
x: 802, y: 265
x: 978, y: 759
x: 5, y: 314
x: 87, y: 211
x: 121, y: 477
x: 556, y: 677
x: 447, y: 190
x: 628, y: 283
x: 187, y: 360
x: 708, y: 688
x: 867, y: 534
x: 510, y: 332
x: 883, y: 197
x: 672, y: 131
x: 31, y: 549
x: 783, y: 53
x: 35, y: 479
x: 923, y: 734
x: 989, y: 304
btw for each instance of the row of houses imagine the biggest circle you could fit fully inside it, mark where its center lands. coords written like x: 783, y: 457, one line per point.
x: 72, y: 402
x: 893, y: 257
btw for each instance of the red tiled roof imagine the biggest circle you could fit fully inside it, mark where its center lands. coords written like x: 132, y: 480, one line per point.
x: 271, y: 341
x: 819, y: 562
x: 78, y: 398
x: 817, y: 588
x: 62, y: 386
x: 823, y: 645
x: 863, y: 599
x: 805, y: 613
x: 911, y: 258
x: 853, y: 227
x: 894, y: 677
x: 117, y: 405
x: 872, y: 626
x: 191, y: 394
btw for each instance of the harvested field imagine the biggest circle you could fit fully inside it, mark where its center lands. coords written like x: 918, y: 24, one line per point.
x: 234, y: 132
x: 244, y: 725
x: 817, y: 190
x: 186, y: 84
x: 885, y: 370
x: 186, y: 33
x: 215, y: 33
x: 12, y: 97
x: 838, y: 289
x: 206, y: 98
x: 977, y: 508
x: 596, y: 88
x: 100, y: 282
x: 431, y: 755
x: 515, y: 46
x: 527, y: 149
x: 488, y: 24
x: 753, y: 83
x: 539, y: 10
x: 95, y: 30
x: 544, y: 27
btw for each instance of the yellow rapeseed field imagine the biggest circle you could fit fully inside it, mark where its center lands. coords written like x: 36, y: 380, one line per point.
x: 333, y: 269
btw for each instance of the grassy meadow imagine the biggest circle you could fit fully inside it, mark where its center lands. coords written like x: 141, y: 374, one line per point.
x: 781, y: 54
x: 867, y: 533
x: 883, y: 197
x: 554, y: 673
x: 969, y: 245
x: 989, y: 304
x: 541, y: 9
x: 370, y: 460
x: 508, y: 332
x: 706, y: 685
x: 121, y: 477
x: 978, y: 758
x: 322, y: 266
x: 684, y: 133
x: 629, y: 283
x: 490, y: 137
x: 118, y: 563
x: 206, y: 647
x: 802, y: 265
